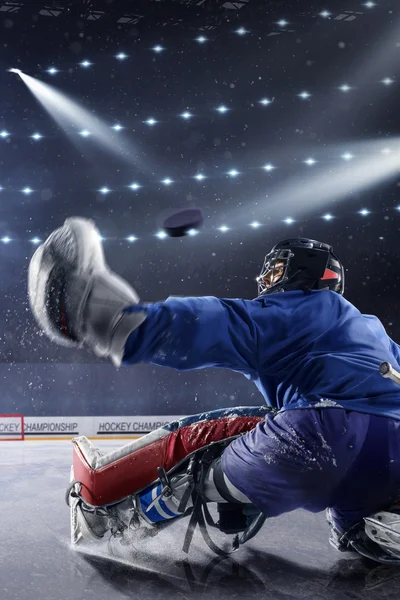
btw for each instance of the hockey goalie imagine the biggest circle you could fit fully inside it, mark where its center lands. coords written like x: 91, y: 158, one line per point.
x: 328, y: 437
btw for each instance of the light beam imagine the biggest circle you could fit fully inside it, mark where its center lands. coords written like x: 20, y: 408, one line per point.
x: 72, y: 117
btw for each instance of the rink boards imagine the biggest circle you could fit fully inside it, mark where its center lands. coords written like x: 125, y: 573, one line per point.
x: 17, y: 427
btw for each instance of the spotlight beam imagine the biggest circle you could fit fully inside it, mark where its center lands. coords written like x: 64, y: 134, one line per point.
x: 300, y: 196
x: 70, y: 115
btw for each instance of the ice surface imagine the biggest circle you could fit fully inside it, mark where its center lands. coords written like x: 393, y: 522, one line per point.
x: 289, y: 559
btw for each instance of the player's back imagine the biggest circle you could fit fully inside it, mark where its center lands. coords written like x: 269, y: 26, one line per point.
x: 323, y: 350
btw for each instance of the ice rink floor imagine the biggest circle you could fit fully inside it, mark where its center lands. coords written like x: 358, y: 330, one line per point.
x: 289, y: 559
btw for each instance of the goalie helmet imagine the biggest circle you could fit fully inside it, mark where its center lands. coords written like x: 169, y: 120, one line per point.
x: 301, y: 264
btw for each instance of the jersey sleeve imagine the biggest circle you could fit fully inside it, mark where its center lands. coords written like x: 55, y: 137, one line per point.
x: 194, y: 333
x: 395, y: 349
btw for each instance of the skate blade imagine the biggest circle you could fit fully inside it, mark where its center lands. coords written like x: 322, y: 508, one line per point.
x: 80, y: 531
x: 76, y: 533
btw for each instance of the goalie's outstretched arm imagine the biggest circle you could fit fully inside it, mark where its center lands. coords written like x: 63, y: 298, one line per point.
x: 194, y: 333
x: 77, y: 300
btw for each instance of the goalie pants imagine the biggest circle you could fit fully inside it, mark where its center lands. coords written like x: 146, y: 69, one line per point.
x: 318, y: 458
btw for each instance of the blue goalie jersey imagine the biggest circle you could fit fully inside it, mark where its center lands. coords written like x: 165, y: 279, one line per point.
x: 300, y: 348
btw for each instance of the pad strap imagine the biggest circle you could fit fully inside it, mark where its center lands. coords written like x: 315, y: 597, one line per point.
x: 220, y: 484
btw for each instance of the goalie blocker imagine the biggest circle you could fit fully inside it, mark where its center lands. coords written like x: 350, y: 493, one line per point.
x: 172, y: 471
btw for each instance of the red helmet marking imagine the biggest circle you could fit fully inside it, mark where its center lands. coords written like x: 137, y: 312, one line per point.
x: 329, y: 275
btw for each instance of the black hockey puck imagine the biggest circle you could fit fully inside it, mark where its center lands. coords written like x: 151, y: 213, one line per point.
x: 180, y: 223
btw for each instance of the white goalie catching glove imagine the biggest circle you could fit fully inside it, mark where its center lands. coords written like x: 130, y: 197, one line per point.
x: 75, y: 298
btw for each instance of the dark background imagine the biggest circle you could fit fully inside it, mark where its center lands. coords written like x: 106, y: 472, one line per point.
x: 356, y: 45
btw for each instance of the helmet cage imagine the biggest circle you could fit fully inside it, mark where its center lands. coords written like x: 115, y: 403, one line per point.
x: 284, y: 256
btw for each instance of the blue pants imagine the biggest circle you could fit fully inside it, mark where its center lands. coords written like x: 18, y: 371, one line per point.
x: 318, y: 458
